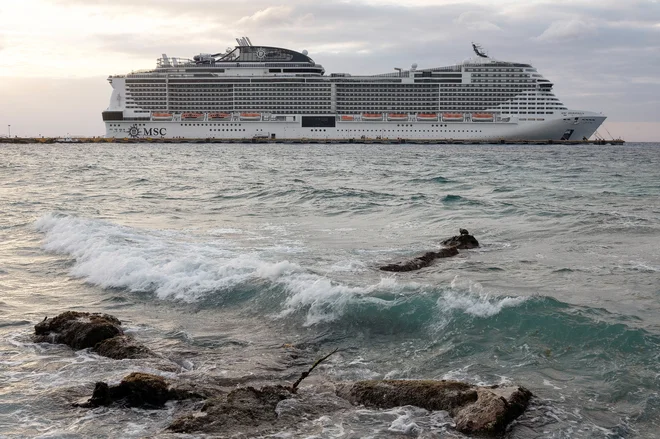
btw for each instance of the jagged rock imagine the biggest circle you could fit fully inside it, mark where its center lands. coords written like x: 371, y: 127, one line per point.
x: 197, y: 389
x: 476, y: 410
x: 121, y: 347
x: 427, y: 394
x: 493, y: 410
x: 100, y: 397
x: 422, y: 261
x: 243, y: 407
x: 142, y: 389
x: 135, y: 390
x: 79, y: 330
x: 463, y: 241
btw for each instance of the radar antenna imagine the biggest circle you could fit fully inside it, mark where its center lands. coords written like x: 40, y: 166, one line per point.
x: 479, y: 50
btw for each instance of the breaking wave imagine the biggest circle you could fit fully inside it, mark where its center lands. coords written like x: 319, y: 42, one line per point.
x: 216, y: 273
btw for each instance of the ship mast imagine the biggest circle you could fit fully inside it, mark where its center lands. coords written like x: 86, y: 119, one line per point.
x: 479, y: 50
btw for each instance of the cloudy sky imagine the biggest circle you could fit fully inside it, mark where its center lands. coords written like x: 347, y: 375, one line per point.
x: 55, y: 55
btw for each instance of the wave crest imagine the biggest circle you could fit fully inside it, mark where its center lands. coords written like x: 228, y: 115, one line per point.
x: 114, y: 256
x: 168, y: 265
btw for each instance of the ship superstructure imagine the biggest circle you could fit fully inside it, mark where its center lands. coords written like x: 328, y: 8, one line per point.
x: 268, y: 92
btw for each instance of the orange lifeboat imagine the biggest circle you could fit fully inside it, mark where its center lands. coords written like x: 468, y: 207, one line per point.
x: 192, y: 116
x: 482, y: 117
x: 161, y: 116
x: 397, y: 116
x: 427, y: 116
x: 219, y: 116
x: 347, y: 118
x: 372, y: 116
x: 250, y: 116
x: 452, y: 117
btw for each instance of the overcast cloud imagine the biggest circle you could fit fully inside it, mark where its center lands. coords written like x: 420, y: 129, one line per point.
x: 602, y: 55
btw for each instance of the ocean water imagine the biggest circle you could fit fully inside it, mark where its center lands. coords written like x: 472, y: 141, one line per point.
x: 222, y: 256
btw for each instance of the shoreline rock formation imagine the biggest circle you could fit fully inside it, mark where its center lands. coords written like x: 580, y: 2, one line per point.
x: 234, y: 409
x: 475, y: 409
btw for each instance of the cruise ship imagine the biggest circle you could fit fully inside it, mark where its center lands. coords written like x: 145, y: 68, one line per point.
x: 262, y: 92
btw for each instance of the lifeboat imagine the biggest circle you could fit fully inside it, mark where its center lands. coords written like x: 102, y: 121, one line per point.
x: 219, y: 116
x: 452, y: 117
x: 161, y: 116
x: 347, y: 118
x: 482, y: 117
x: 372, y: 116
x: 427, y: 116
x: 397, y: 116
x: 250, y: 116
x: 192, y: 116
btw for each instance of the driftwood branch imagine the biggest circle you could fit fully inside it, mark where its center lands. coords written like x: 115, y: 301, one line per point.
x: 304, y: 375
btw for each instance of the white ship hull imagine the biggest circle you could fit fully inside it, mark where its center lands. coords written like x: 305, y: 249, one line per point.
x: 569, y: 125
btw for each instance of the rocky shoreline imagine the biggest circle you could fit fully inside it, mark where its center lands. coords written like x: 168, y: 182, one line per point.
x: 235, y: 408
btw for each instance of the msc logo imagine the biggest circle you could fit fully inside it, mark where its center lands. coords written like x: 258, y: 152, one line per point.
x: 155, y: 131
x: 136, y: 132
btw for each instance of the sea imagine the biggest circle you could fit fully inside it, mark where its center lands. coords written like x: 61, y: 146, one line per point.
x: 223, y: 258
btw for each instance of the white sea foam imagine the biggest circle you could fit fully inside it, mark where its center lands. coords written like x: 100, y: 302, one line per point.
x: 349, y: 266
x: 550, y: 384
x: 644, y: 267
x: 404, y: 425
x: 478, y: 305
x: 472, y: 299
x: 325, y: 299
x: 114, y: 256
x: 226, y: 231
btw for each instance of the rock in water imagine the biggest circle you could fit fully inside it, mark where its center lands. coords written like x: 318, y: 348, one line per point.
x: 143, y: 389
x: 422, y: 261
x: 135, y: 390
x: 463, y: 241
x: 244, y: 407
x: 100, y: 397
x: 81, y: 330
x: 476, y: 410
x: 121, y: 347
x: 78, y: 330
x: 427, y: 394
x: 493, y: 410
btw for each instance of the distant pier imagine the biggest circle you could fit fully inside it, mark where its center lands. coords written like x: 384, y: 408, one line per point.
x: 375, y: 141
